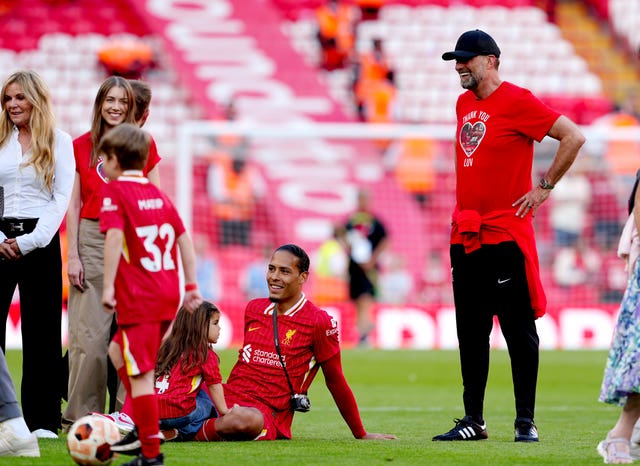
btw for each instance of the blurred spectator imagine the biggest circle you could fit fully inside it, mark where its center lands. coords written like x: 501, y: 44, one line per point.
x: 569, y: 206
x: 577, y: 265
x: 234, y: 185
x: 396, y: 282
x: 369, y: 9
x: 621, y: 155
x: 434, y: 286
x: 330, y: 267
x: 412, y: 162
x: 207, y: 270
x: 372, y: 79
x: 252, y: 280
x: 614, y: 278
x: 366, y: 240
x: 127, y: 58
x: 336, y: 33
x: 605, y: 209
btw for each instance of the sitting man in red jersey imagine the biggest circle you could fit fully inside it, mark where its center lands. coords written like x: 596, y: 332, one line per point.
x: 258, y: 388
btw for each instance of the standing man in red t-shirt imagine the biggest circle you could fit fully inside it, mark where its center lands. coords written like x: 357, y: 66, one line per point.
x: 141, y: 283
x: 258, y: 390
x: 494, y: 260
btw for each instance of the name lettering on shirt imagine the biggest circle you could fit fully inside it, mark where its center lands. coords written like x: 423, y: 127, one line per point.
x: 150, y: 204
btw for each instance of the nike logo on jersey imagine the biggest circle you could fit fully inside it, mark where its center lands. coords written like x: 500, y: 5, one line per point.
x: 251, y: 329
x: 501, y: 281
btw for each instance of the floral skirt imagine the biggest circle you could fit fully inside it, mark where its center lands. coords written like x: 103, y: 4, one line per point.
x: 622, y: 372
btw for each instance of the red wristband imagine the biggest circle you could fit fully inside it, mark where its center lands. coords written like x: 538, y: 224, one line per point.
x: 190, y: 287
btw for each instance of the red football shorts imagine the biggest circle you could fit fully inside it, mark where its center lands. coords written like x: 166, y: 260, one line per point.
x: 276, y: 425
x: 139, y: 344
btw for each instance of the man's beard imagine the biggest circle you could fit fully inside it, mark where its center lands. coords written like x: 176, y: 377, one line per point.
x: 470, y: 84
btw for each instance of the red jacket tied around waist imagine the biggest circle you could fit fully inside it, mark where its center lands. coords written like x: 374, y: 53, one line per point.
x: 470, y: 229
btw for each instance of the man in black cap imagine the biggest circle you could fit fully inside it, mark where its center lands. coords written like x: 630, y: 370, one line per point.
x: 494, y: 260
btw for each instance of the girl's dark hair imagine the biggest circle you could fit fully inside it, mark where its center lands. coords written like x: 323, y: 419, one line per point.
x: 303, y: 258
x: 188, y: 340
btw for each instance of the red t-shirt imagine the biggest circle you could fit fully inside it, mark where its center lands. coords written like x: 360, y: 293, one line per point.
x: 147, y: 282
x: 92, y: 178
x: 308, y: 336
x: 176, y: 392
x: 494, y: 147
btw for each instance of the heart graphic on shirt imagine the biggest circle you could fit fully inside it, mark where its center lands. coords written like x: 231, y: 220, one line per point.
x: 471, y: 136
x: 100, y: 171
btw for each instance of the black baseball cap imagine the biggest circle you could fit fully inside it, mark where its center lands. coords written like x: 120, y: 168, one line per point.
x: 471, y: 44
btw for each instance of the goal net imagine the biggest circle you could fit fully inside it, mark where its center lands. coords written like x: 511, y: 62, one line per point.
x: 244, y: 189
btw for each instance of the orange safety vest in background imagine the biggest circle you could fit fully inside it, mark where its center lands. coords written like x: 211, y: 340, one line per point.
x: 372, y: 70
x: 337, y: 25
x: 414, y: 170
x: 238, y: 202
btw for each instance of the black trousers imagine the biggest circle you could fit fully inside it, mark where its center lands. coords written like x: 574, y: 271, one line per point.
x: 492, y: 281
x: 38, y: 276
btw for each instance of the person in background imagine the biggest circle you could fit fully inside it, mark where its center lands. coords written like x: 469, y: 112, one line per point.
x: 371, y: 71
x: 331, y: 261
x: 257, y: 388
x: 366, y: 240
x: 15, y: 438
x: 36, y: 173
x: 89, y: 326
x: 494, y: 259
x: 143, y: 237
x: 234, y: 185
x: 336, y: 21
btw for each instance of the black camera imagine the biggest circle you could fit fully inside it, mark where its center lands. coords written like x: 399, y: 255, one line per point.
x: 300, y: 402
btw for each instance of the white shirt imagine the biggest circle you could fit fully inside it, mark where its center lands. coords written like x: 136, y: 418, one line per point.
x: 25, y: 195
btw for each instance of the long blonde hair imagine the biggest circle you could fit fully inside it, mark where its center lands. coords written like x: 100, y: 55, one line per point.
x: 42, y: 122
x: 98, y: 126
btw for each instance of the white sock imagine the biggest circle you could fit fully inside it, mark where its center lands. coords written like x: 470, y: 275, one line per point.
x: 19, y: 427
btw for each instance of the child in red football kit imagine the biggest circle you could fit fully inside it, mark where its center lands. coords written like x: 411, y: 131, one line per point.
x: 186, y: 366
x: 141, y: 282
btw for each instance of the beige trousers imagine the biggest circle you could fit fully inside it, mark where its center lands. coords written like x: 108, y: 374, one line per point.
x: 89, y: 326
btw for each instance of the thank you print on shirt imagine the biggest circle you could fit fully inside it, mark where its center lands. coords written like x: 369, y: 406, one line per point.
x: 472, y: 133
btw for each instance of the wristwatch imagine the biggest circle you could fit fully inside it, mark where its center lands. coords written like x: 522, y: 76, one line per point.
x: 544, y: 184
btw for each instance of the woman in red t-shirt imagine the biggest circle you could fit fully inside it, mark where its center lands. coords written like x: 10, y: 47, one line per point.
x: 89, y: 326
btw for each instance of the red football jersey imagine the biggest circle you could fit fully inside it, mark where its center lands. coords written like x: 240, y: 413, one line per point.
x: 176, y: 392
x: 93, y: 178
x: 147, y: 282
x: 494, y: 147
x: 307, y: 335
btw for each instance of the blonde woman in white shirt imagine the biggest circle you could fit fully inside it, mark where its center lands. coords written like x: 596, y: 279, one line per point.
x: 36, y: 172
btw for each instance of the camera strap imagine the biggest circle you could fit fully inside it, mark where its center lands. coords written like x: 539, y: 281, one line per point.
x: 275, y: 339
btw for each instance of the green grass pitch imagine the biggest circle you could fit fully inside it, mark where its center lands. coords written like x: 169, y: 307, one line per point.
x: 414, y: 395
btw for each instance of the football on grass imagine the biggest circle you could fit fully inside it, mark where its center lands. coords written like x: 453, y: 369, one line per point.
x: 90, y: 438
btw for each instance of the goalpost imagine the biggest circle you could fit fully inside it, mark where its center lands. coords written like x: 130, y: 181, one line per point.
x: 312, y: 171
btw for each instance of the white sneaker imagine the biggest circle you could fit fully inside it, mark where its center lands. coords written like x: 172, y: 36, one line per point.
x: 123, y: 421
x: 44, y: 433
x: 12, y: 445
